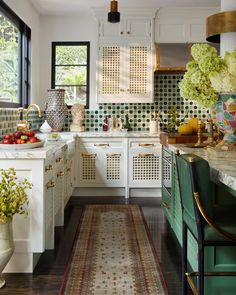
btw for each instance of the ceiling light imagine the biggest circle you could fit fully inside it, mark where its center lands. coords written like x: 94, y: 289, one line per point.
x: 114, y: 15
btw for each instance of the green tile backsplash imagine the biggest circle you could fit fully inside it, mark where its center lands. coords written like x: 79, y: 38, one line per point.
x: 166, y: 94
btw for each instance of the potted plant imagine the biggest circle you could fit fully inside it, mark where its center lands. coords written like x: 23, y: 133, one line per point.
x: 211, y: 81
x: 13, y: 200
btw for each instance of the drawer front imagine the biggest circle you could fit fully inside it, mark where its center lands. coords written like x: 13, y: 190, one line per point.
x: 144, y: 143
x: 100, y: 143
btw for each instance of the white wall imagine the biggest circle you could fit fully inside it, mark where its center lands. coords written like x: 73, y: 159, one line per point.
x: 74, y: 28
x: 28, y: 14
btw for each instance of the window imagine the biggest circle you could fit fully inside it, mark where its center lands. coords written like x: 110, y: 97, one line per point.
x: 70, y: 70
x: 15, y: 59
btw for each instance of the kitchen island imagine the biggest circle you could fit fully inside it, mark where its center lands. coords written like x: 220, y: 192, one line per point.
x: 223, y: 176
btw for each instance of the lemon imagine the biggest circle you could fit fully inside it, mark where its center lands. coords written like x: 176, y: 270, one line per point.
x: 185, y: 129
x: 193, y: 122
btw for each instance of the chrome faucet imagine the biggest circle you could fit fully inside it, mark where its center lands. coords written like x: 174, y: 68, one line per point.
x: 27, y: 114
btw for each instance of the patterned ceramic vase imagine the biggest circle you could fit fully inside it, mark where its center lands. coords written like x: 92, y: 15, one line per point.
x: 56, y: 110
x: 226, y: 117
x: 6, y: 247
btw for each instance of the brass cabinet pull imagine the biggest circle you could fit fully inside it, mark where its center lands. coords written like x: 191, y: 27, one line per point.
x: 68, y: 169
x: 89, y: 155
x: 114, y: 155
x: 145, y: 155
x: 146, y: 144
x: 48, y: 168
x: 121, y: 33
x: 59, y: 160
x: 128, y: 33
x: 50, y: 184
x: 101, y: 144
x: 60, y: 174
x: 165, y: 205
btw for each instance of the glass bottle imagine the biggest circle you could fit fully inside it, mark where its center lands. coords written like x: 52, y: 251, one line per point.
x: 127, y: 123
x: 105, y: 124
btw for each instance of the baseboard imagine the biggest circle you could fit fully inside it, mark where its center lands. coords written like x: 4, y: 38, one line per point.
x: 116, y: 192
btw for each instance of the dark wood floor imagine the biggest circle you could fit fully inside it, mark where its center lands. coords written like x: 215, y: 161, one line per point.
x: 49, y: 271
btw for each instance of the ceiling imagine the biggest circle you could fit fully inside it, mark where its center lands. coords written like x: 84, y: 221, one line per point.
x: 82, y: 7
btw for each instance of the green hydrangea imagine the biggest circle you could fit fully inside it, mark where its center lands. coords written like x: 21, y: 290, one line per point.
x: 208, y: 74
x: 13, y: 195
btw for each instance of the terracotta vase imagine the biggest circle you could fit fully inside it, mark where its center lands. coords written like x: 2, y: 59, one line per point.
x: 6, y: 247
x: 56, y: 110
x: 226, y: 118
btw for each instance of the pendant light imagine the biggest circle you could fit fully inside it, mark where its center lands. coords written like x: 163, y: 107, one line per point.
x: 114, y: 15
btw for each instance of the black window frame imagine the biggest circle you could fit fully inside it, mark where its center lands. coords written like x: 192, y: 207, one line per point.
x: 24, y: 58
x: 53, y: 68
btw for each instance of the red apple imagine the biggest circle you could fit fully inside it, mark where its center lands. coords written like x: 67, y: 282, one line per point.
x: 18, y: 141
x: 7, y: 136
x: 33, y: 139
x: 17, y: 134
x: 7, y: 141
x: 30, y: 133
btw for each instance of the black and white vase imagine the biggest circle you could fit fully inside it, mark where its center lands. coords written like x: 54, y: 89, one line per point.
x: 56, y: 110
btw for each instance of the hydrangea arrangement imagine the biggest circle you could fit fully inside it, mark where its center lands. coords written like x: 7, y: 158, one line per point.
x: 13, y: 195
x: 208, y: 74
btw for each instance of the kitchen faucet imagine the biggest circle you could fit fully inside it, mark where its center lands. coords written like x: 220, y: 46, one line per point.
x: 27, y: 114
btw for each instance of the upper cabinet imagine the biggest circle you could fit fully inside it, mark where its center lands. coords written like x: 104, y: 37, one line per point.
x: 126, y: 58
x: 129, y: 29
x: 182, y: 25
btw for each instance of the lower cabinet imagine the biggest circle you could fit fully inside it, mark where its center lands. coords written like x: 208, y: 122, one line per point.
x: 144, y: 163
x: 100, y: 162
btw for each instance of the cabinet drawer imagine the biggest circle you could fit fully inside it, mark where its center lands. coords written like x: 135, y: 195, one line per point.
x: 144, y: 144
x: 100, y: 144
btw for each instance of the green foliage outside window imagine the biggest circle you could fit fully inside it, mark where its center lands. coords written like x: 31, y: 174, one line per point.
x: 9, y: 48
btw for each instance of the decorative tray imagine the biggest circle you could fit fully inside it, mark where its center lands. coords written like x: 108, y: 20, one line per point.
x: 21, y: 146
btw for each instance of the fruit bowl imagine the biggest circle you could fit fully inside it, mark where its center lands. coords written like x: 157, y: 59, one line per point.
x: 21, y: 146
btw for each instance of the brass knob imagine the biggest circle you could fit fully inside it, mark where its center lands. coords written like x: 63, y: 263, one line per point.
x: 48, y: 168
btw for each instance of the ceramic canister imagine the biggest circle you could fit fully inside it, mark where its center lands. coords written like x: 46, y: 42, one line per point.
x: 56, y: 110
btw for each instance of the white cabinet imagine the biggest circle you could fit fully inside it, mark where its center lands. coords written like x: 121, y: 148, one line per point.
x: 100, y: 162
x: 126, y: 64
x: 181, y: 25
x: 129, y: 30
x: 144, y: 163
x: 60, y: 186
x: 49, y: 185
x: 70, y: 172
x: 125, y: 73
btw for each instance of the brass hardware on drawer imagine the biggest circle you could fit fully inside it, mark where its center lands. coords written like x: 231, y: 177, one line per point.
x: 114, y: 155
x: 128, y: 33
x: 121, y: 33
x: 48, y: 168
x: 59, y: 160
x: 89, y: 155
x: 68, y: 169
x: 165, y: 205
x: 145, y: 155
x: 146, y: 144
x: 60, y: 174
x: 50, y: 184
x: 101, y: 144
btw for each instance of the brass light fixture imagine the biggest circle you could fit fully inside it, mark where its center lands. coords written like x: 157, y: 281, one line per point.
x: 223, y: 22
x: 114, y: 15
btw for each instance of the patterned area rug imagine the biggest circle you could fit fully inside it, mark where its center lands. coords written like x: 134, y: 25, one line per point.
x: 113, y: 255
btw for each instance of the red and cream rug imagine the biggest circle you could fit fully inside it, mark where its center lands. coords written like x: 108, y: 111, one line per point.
x: 113, y: 255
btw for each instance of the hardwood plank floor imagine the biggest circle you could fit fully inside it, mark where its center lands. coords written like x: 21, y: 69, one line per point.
x: 48, y: 273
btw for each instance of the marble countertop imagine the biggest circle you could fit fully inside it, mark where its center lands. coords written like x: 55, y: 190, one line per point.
x: 68, y: 138
x: 223, y: 165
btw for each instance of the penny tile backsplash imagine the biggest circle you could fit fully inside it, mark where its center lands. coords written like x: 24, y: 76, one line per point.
x: 166, y: 93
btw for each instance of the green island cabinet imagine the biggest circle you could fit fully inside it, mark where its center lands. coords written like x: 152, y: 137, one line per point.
x: 216, y: 258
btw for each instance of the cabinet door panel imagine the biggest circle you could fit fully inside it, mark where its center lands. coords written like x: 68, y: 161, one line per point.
x: 138, y: 29
x: 49, y: 214
x: 111, y: 32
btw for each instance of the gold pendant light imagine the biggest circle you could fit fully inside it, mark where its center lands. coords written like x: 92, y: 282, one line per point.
x: 223, y: 22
